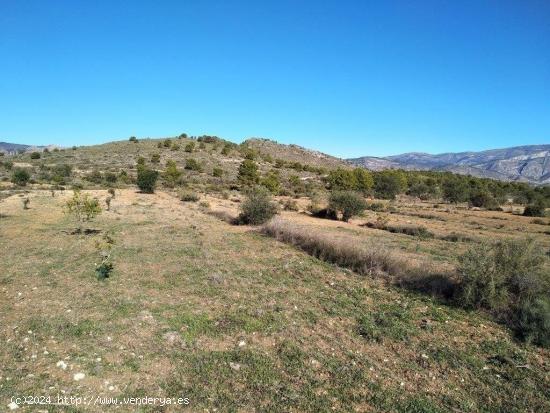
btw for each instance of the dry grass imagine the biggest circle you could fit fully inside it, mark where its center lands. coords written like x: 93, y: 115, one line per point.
x: 187, y: 290
x: 363, y: 259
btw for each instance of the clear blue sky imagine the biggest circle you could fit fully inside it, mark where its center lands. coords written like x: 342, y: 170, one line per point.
x: 346, y: 77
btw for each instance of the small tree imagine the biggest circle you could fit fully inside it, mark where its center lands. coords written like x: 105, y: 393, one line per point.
x: 363, y: 180
x: 341, y: 180
x: 347, y: 203
x: 147, y: 180
x: 20, y: 176
x: 82, y: 207
x: 388, y: 184
x: 133, y: 139
x: 257, y: 208
x: 248, y: 172
x: 455, y: 190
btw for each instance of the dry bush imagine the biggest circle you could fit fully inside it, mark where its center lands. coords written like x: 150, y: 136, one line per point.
x: 456, y: 237
x: 363, y: 259
x: 223, y: 215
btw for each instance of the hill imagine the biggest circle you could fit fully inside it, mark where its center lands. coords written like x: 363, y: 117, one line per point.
x: 168, y: 294
x: 295, y: 153
x: 522, y: 163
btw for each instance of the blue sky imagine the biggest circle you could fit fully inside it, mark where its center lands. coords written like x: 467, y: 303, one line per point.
x: 349, y: 78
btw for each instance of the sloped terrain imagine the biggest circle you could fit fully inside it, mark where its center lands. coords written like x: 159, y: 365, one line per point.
x: 234, y: 320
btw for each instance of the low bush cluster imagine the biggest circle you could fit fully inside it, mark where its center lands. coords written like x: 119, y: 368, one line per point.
x: 257, y: 208
x: 346, y: 203
x: 189, y: 196
x: 511, y: 279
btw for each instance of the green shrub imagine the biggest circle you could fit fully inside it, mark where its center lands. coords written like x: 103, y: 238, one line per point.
x: 412, y: 230
x: 389, y: 183
x: 271, y: 182
x: 167, y: 143
x: 110, y: 177
x: 20, y: 176
x: 257, y: 208
x: 133, y: 139
x: 193, y: 165
x: 376, y: 206
x: 533, y: 324
x: 217, y: 172
x: 341, y: 180
x: 95, y: 177
x: 146, y: 180
x: 188, y: 196
x: 363, y: 180
x: 155, y: 158
x: 509, y: 278
x: 190, y: 147
x: 248, y: 172
x: 171, y: 174
x: 226, y: 150
x: 82, y: 207
x: 483, y: 199
x: 455, y: 190
x: 537, y: 209
x: 35, y: 155
x: 347, y: 203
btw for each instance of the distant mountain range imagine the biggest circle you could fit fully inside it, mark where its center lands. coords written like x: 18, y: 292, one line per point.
x: 521, y: 163
x: 13, y: 148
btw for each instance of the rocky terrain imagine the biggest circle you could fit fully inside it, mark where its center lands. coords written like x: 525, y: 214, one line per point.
x: 522, y: 163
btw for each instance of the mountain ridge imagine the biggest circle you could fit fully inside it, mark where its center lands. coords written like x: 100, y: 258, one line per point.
x: 526, y: 163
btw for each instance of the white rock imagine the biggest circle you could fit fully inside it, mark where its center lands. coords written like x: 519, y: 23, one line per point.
x: 61, y: 364
x: 242, y: 343
x: 111, y: 388
x: 79, y: 376
x: 13, y: 406
x: 235, y: 366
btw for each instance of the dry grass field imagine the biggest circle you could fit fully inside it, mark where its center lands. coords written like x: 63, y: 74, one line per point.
x: 235, y: 320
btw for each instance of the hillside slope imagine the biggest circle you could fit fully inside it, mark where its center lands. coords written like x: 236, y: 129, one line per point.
x: 234, y: 321
x: 521, y: 163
